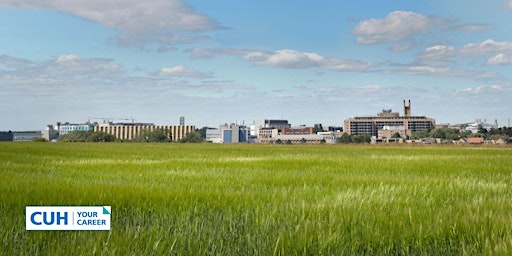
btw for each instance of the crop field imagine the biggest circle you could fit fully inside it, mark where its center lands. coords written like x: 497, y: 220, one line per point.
x: 205, y: 199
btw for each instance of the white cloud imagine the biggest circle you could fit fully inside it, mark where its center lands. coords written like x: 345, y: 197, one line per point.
x: 500, y: 59
x: 472, y: 27
x: 402, y: 27
x: 442, y: 72
x: 397, y: 26
x: 508, y: 4
x: 181, y: 71
x: 66, y: 58
x: 486, y: 47
x: 285, y: 58
x: 302, y: 60
x: 12, y: 62
x: 437, y: 55
x: 483, y: 89
x: 137, y: 21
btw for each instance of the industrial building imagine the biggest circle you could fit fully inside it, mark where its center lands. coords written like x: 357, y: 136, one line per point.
x: 371, y: 125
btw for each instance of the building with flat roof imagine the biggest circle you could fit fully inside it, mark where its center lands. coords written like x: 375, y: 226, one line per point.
x: 128, y: 131
x: 372, y: 124
x: 297, y: 130
x: 268, y: 123
x: 228, y: 133
x: 26, y: 135
x: 65, y: 128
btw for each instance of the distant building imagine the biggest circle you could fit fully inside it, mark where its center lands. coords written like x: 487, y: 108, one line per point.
x: 372, y: 124
x: 268, y: 123
x: 65, y: 128
x: 388, y: 131
x: 303, y: 138
x: 228, y: 133
x: 26, y: 135
x: 49, y: 133
x: 335, y: 128
x: 476, y: 140
x: 479, y: 125
x: 266, y: 135
x: 128, y: 131
x: 6, y: 136
x: 182, y: 120
x: 297, y: 130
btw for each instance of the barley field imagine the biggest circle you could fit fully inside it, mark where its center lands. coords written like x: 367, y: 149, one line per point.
x: 205, y: 199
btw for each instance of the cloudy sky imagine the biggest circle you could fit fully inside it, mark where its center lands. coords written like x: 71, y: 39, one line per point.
x: 229, y: 60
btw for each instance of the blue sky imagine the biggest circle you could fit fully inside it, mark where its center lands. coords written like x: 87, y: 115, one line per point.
x: 226, y: 61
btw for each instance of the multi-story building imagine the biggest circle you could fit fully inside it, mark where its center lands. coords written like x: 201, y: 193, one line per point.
x: 297, y: 130
x: 49, y: 133
x: 228, y: 133
x: 65, y: 128
x: 128, y: 131
x: 372, y: 124
x: 268, y: 123
x: 266, y: 134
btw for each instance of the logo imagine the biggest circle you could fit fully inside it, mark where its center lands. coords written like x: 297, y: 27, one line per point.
x: 67, y: 217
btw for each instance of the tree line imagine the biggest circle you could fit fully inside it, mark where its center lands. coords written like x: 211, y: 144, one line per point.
x: 156, y: 135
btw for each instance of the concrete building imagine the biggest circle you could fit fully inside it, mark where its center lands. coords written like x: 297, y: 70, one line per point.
x: 372, y: 124
x: 297, y: 130
x: 388, y: 131
x: 128, y: 131
x: 268, y: 123
x: 266, y: 134
x: 49, y: 133
x: 228, y: 133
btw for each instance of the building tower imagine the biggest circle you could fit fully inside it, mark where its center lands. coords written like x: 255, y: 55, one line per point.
x: 182, y: 120
x: 407, y: 109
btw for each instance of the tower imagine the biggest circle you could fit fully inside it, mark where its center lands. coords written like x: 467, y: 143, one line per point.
x: 407, y: 109
x: 182, y: 120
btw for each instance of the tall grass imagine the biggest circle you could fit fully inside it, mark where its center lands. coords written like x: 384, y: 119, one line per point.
x: 208, y: 199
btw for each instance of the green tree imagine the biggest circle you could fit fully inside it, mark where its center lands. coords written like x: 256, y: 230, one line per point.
x: 74, y: 136
x: 421, y: 134
x: 156, y: 135
x: 363, y: 138
x: 193, y: 137
x: 86, y: 136
x: 202, y: 132
x: 345, y: 138
x: 396, y: 135
x: 438, y: 133
x: 100, y: 137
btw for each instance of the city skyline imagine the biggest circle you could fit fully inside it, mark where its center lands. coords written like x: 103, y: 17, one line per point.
x: 225, y: 61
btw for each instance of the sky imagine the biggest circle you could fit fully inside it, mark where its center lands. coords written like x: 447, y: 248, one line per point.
x: 227, y: 61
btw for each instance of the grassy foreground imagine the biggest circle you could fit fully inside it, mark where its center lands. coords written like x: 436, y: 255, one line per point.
x: 203, y: 199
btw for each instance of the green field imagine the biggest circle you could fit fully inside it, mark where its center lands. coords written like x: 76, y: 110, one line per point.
x: 205, y: 199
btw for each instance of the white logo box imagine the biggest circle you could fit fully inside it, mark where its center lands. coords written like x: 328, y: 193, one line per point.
x: 67, y: 217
